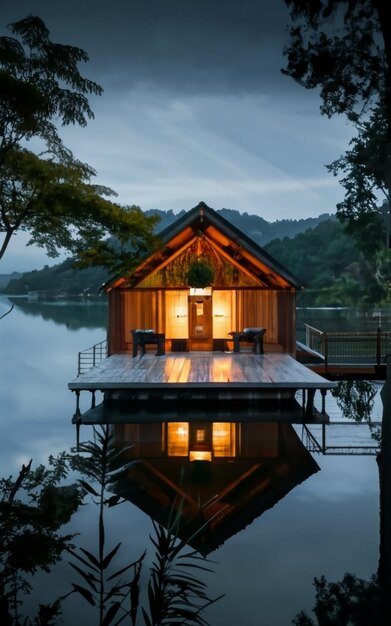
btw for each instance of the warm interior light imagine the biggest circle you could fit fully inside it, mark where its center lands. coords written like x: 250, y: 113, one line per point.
x: 200, y: 455
x: 223, y: 439
x: 223, y: 312
x: 200, y: 435
x: 177, y: 326
x: 181, y: 311
x: 196, y: 291
x: 177, y: 438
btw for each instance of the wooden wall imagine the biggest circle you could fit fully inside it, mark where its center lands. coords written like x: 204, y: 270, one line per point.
x: 145, y: 308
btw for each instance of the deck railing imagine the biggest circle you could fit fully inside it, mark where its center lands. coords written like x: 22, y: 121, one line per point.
x: 367, y: 347
x: 90, y: 357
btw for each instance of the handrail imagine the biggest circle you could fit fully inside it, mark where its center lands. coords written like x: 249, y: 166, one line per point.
x: 354, y: 347
x: 311, y: 443
x: 90, y: 357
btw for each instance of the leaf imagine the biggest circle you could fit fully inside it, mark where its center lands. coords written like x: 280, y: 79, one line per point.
x: 89, y: 578
x: 112, y: 501
x: 108, y: 618
x: 124, y: 569
x: 88, y: 488
x: 79, y: 558
x: 91, y: 558
x: 146, y: 618
x: 114, y: 591
x: 106, y: 561
x: 85, y: 593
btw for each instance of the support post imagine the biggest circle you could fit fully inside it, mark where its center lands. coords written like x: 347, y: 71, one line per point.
x: 77, y: 412
x: 303, y: 402
x: 323, y: 438
x: 309, y: 411
x: 326, y: 349
x: 77, y: 435
x: 323, y: 394
x: 378, y: 346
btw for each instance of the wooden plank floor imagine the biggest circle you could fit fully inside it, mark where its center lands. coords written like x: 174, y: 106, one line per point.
x: 200, y: 369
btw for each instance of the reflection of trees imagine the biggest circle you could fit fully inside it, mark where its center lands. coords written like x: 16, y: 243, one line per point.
x: 355, y: 399
x: 72, y: 315
x: 353, y: 600
x: 33, y: 511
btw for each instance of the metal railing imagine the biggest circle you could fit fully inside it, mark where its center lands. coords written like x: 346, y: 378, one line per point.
x: 337, y: 448
x: 90, y: 357
x: 367, y: 347
x: 310, y: 441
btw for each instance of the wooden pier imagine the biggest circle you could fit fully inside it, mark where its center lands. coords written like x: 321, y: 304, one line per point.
x: 346, y: 355
x: 205, y: 385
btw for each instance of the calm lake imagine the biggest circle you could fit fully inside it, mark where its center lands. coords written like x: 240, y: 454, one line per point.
x: 327, y: 525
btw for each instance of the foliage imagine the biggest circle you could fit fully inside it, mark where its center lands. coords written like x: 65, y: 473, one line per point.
x: 343, y: 48
x: 32, y: 510
x: 336, y: 46
x: 325, y: 258
x: 355, y: 398
x: 50, y: 195
x: 364, y: 175
x: 319, y: 255
x: 200, y: 274
x: 353, y: 602
x: 175, y: 594
x: 331, y: 266
x: 40, y: 82
x: 65, y: 278
x: 62, y: 278
x: 99, y: 462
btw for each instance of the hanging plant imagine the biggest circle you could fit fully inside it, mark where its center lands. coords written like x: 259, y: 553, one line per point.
x: 199, y: 275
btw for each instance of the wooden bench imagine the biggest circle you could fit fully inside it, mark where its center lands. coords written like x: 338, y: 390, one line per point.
x: 143, y: 337
x: 252, y: 335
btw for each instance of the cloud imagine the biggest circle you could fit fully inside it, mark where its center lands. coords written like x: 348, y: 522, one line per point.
x: 207, y: 45
x: 195, y: 107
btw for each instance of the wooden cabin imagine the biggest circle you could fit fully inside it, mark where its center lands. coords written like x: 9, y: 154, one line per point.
x: 199, y: 321
x: 254, y: 466
x: 248, y: 289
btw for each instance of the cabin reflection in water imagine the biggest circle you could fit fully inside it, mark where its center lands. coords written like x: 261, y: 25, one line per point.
x: 213, y: 479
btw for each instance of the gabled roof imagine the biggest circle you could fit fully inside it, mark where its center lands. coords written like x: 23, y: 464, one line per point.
x: 202, y: 226
x: 213, y: 501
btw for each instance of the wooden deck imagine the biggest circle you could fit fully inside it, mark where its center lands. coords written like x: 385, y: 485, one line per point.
x: 206, y: 386
x: 210, y: 370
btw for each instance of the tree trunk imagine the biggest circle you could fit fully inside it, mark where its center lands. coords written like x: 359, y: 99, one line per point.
x: 384, y: 463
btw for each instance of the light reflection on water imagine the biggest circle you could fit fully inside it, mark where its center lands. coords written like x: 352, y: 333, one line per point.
x: 327, y: 525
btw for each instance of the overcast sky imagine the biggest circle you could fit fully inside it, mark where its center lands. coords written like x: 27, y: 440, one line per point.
x: 194, y: 108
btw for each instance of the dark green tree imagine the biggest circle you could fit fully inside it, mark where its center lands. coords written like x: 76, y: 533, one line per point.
x: 48, y: 192
x: 351, y: 602
x: 33, y: 508
x: 343, y: 49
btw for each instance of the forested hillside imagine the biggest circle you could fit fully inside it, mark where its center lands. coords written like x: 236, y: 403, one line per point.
x: 319, y: 255
x: 316, y: 250
x: 331, y: 267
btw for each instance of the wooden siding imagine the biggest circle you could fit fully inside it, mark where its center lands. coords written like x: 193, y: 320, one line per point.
x: 116, y: 324
x: 286, y: 303
x: 146, y: 308
x: 258, y: 308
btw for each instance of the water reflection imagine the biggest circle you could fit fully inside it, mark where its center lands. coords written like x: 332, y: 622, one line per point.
x: 210, y: 480
x: 73, y: 315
